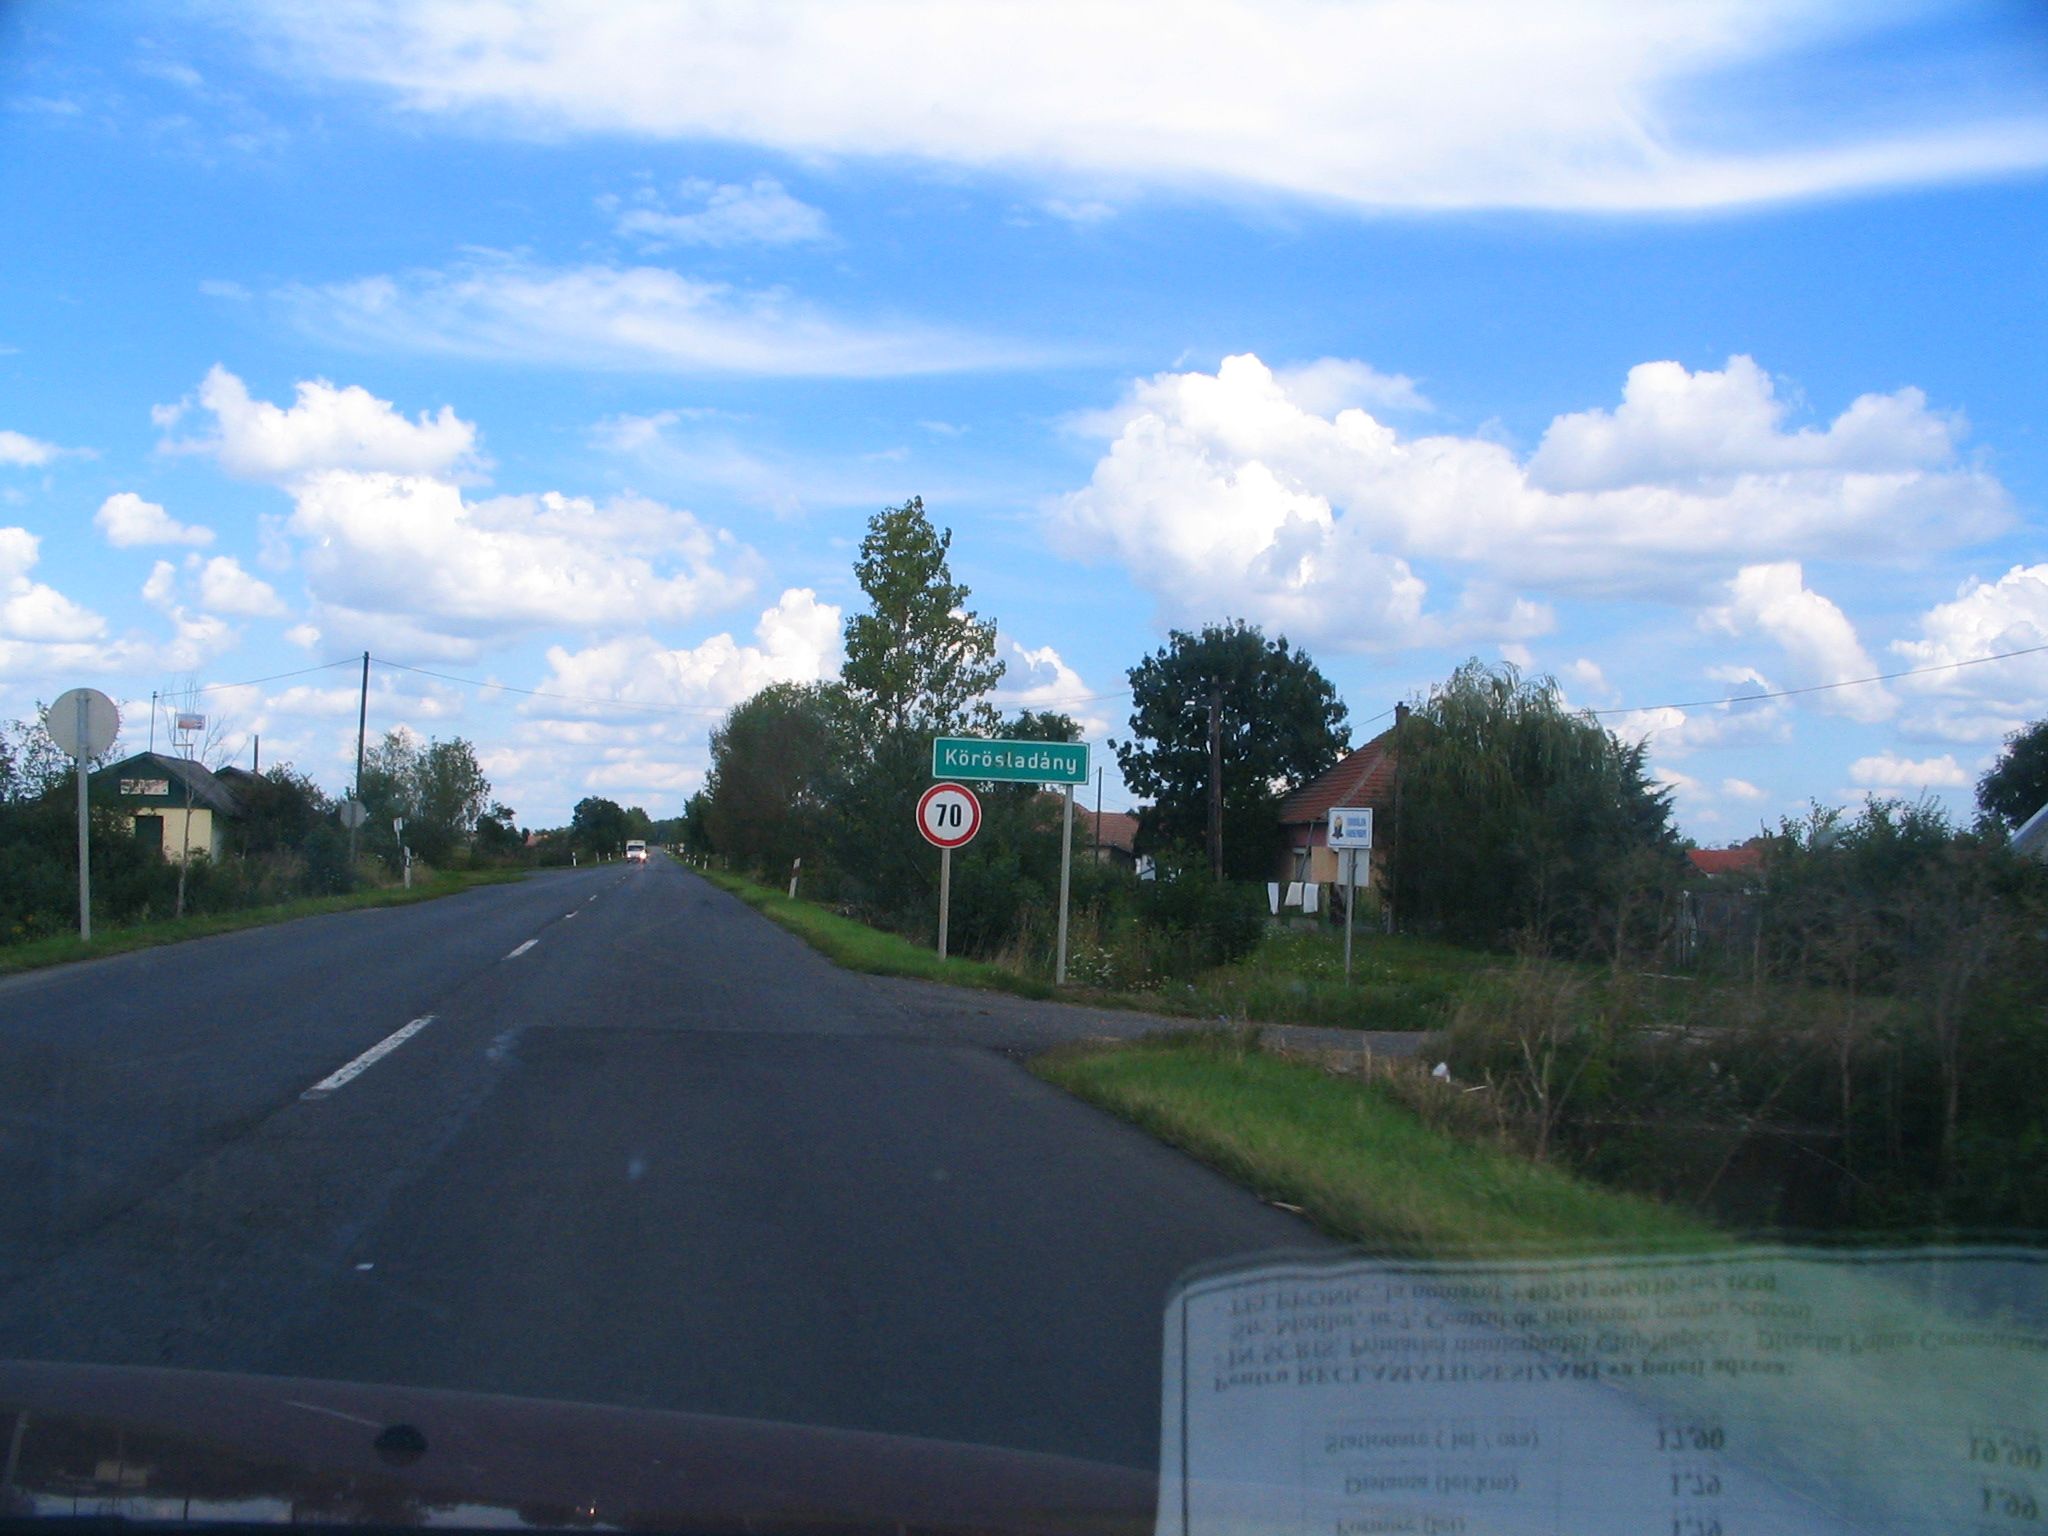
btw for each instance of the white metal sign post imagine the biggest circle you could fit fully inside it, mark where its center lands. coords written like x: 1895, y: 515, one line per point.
x: 948, y: 815
x: 1351, y: 834
x: 83, y: 724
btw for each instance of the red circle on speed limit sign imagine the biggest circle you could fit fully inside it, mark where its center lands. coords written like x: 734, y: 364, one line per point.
x: 948, y: 815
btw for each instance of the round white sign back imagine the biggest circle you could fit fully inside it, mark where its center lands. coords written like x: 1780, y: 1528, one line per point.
x: 83, y: 722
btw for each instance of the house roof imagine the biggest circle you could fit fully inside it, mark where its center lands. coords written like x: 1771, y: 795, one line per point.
x: 1363, y: 776
x: 1743, y: 859
x: 2032, y: 837
x: 1114, y: 829
x: 208, y: 790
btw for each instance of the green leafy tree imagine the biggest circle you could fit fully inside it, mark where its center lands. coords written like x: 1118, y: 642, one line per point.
x: 279, y: 810
x: 497, y: 836
x: 919, y: 663
x: 2017, y: 785
x: 918, y: 659
x: 31, y: 764
x: 775, y: 763
x: 436, y: 786
x: 1519, y: 816
x: 598, y: 825
x: 1280, y: 721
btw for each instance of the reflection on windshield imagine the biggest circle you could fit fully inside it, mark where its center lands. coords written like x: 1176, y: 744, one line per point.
x: 1764, y: 1389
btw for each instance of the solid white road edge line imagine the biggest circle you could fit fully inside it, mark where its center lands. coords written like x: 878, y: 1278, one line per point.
x: 522, y: 949
x: 368, y: 1059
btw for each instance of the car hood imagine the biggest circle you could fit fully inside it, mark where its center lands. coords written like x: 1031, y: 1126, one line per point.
x: 143, y: 1444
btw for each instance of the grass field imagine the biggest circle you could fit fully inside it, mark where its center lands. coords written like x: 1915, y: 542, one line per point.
x: 1293, y: 977
x: 873, y: 950
x: 1354, y: 1159
x: 37, y: 953
x: 1296, y: 976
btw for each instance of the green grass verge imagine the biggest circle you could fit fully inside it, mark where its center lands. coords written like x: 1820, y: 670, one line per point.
x: 37, y: 953
x: 1359, y: 1163
x: 1297, y: 977
x: 861, y: 948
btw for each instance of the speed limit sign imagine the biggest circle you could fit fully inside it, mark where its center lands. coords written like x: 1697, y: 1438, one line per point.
x: 948, y: 815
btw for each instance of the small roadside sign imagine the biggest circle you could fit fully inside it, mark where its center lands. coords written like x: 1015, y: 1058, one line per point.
x: 1010, y: 762
x: 949, y: 815
x: 83, y: 723
x: 1351, y: 835
x: 1351, y: 827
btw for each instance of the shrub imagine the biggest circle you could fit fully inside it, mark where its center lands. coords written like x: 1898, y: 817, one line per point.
x: 1201, y: 922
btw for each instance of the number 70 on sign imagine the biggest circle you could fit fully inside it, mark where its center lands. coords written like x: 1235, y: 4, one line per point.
x: 948, y: 815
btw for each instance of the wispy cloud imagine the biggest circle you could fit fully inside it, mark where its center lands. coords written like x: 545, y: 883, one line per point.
x: 1606, y: 105
x: 759, y: 212
x: 641, y: 318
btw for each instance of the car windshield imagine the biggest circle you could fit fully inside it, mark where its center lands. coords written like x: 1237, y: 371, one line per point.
x: 1251, y: 765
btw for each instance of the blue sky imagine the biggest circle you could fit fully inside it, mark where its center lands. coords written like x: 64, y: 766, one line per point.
x: 1682, y: 352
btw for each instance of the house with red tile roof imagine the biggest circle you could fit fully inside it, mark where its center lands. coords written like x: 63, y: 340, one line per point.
x: 1112, y: 836
x: 1364, y: 776
x: 1742, y: 859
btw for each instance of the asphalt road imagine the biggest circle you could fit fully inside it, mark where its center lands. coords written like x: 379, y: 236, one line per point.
x: 649, y: 1150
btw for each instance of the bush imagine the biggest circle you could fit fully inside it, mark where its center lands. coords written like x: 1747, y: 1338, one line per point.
x: 1201, y: 922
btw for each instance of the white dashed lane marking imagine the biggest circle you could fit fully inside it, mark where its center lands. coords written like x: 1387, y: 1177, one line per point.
x: 522, y: 949
x: 368, y: 1059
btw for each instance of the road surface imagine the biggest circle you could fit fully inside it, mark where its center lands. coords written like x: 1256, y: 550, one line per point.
x: 647, y: 1150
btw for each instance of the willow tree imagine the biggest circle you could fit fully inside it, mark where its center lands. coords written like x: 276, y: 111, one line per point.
x: 1519, y: 817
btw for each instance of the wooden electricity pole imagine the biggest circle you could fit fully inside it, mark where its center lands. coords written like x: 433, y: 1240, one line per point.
x: 1216, y: 783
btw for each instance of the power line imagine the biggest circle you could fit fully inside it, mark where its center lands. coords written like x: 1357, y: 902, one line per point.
x: 542, y: 693
x: 251, y: 682
x: 1850, y: 682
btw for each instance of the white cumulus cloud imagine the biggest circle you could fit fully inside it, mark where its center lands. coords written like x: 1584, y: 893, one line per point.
x: 224, y: 587
x: 30, y: 610
x: 1226, y: 493
x: 326, y: 428
x: 796, y: 641
x: 1596, y: 104
x: 412, y: 552
x: 1038, y: 678
x: 24, y: 452
x: 126, y: 520
x: 1887, y: 770
x: 1982, y: 699
x: 1818, y: 641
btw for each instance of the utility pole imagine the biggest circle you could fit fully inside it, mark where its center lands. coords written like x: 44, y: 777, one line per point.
x: 1392, y: 892
x: 152, y: 719
x: 1216, y: 782
x: 356, y: 794
x: 362, y: 723
x: 1096, y: 847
